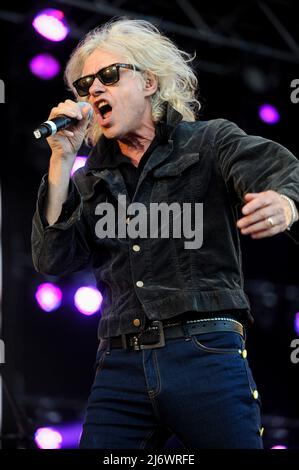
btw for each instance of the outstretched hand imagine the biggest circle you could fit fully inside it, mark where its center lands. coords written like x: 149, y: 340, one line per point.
x: 265, y: 214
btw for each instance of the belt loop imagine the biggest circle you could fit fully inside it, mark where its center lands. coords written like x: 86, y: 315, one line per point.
x: 124, y: 341
x: 186, y: 330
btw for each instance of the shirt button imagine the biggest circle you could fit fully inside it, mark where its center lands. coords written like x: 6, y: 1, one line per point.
x: 136, y: 247
x: 139, y: 284
x: 136, y: 322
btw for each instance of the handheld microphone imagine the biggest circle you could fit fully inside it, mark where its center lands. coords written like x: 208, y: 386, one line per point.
x: 48, y: 128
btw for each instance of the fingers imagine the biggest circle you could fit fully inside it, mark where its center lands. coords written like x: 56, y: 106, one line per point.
x: 258, y: 209
x: 71, y: 109
x: 256, y: 201
x: 250, y: 196
x: 256, y: 216
x: 67, y: 133
x: 265, y: 233
x: 262, y: 226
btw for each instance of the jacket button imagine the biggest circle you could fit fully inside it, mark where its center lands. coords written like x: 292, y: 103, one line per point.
x: 136, y: 247
x: 139, y: 284
x: 255, y: 394
x: 136, y: 322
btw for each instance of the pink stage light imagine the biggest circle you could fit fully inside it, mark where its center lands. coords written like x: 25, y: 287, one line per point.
x: 269, y: 114
x: 48, y: 297
x: 44, y: 66
x: 296, y: 323
x: 51, y: 24
x: 279, y: 447
x: 48, y: 438
x: 79, y: 163
x: 88, y: 300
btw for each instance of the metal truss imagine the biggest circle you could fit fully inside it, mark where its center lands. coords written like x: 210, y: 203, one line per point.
x: 208, y: 26
x: 254, y: 29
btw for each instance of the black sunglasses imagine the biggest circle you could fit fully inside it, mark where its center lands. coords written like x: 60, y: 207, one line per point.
x: 108, y: 76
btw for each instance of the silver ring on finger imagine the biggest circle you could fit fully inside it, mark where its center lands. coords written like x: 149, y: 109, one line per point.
x: 270, y: 222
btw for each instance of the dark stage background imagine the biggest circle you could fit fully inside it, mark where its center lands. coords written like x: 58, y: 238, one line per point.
x: 246, y: 55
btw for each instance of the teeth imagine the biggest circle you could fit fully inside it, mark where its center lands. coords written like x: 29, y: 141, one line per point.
x: 102, y: 103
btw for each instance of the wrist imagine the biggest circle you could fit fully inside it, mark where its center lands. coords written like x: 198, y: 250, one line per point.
x: 293, y: 210
x: 65, y: 158
x: 61, y: 164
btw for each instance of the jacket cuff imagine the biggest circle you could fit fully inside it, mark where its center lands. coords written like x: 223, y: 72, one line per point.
x: 293, y: 231
x: 70, y: 211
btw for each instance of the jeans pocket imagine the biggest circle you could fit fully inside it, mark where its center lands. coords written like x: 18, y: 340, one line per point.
x: 221, y: 342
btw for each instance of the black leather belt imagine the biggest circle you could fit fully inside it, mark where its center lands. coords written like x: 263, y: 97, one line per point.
x: 156, y: 334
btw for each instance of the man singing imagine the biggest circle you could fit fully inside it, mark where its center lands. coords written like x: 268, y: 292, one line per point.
x: 171, y: 356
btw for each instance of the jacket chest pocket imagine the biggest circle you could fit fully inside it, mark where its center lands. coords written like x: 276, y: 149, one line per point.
x: 185, y: 180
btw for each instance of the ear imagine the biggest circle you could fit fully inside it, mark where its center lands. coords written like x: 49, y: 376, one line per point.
x: 151, y: 84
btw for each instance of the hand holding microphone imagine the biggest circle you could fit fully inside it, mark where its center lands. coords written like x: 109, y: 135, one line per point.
x: 48, y: 128
x: 66, y: 126
x: 64, y: 143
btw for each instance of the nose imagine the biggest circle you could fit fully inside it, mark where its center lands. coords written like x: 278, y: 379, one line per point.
x: 96, y: 88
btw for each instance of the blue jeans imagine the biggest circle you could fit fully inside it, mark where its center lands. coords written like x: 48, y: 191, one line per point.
x: 199, y: 388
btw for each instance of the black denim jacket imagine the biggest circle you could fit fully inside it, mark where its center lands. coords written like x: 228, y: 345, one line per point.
x: 213, y: 162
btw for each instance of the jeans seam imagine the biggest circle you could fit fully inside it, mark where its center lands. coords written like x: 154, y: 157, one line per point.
x: 250, y: 385
x: 158, y: 417
x: 146, y: 439
x: 152, y: 393
x: 257, y: 405
x: 155, y: 393
x: 100, y: 363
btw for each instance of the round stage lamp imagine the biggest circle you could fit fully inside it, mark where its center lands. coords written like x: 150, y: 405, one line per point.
x: 51, y: 24
x: 48, y: 297
x: 88, y: 300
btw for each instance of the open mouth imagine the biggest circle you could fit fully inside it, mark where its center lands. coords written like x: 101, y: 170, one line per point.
x: 105, y: 110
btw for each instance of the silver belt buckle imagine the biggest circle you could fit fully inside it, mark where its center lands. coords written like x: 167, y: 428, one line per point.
x: 161, y: 342
x: 158, y: 344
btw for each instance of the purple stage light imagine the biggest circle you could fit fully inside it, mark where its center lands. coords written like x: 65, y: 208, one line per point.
x: 48, y: 297
x: 279, y: 447
x: 48, y: 438
x: 44, y: 66
x: 88, y: 300
x: 296, y: 323
x: 51, y: 24
x: 71, y: 433
x: 62, y: 436
x: 269, y: 114
x: 79, y: 163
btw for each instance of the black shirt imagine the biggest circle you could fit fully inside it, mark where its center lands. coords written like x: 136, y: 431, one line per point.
x: 130, y: 173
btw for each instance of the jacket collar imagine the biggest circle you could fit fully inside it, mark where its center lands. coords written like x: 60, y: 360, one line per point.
x: 106, y: 155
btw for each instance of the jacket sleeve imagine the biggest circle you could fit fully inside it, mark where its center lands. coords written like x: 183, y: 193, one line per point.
x: 63, y: 247
x: 251, y: 163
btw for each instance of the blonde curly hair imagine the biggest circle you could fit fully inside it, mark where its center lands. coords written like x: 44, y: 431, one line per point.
x: 142, y: 44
